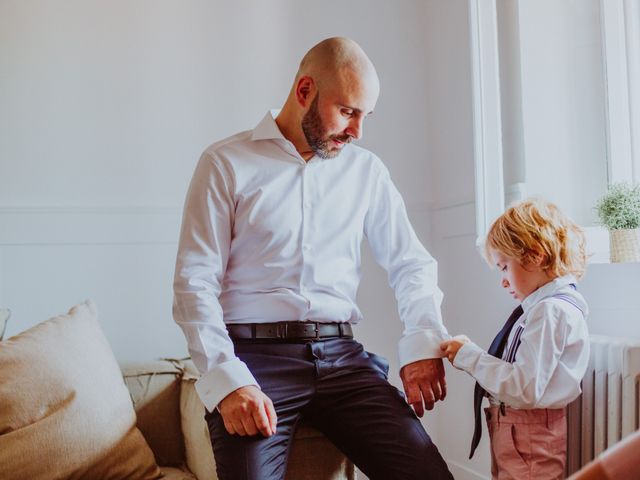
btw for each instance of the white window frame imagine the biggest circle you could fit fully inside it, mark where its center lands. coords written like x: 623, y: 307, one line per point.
x: 621, y: 63
x: 487, y: 123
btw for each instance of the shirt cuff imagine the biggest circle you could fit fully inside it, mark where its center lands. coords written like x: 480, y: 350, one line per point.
x: 216, y: 384
x: 421, y: 345
x: 467, y: 356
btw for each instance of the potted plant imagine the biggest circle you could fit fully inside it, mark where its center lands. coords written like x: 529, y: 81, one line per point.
x: 619, y: 211
x: 4, y: 317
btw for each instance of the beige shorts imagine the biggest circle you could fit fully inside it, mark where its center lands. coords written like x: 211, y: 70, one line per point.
x: 527, y: 444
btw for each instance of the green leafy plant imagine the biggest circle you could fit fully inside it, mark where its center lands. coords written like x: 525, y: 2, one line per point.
x: 4, y: 317
x: 619, y: 208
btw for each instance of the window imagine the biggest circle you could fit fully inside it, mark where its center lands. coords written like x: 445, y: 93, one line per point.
x: 556, y: 89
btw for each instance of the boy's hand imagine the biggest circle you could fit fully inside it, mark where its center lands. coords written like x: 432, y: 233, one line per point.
x: 450, y: 347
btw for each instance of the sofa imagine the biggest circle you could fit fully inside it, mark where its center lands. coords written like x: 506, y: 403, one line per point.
x: 171, y: 418
x: 66, y: 412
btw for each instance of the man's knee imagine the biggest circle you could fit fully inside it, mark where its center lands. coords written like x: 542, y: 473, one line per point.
x: 246, y: 457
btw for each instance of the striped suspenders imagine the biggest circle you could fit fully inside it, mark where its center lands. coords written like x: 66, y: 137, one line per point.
x: 515, y: 343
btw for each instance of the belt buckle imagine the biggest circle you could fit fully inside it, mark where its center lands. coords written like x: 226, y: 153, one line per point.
x: 269, y: 330
x: 304, y: 330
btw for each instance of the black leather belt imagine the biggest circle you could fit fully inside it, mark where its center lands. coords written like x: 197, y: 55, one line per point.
x: 289, y: 330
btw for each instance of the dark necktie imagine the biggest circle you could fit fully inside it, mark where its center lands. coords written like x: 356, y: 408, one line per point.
x: 496, y: 349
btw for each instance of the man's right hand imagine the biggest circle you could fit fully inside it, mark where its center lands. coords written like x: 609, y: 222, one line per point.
x: 424, y: 383
x: 247, y: 411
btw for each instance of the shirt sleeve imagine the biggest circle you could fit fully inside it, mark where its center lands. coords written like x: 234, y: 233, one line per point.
x: 203, y: 253
x: 411, y: 270
x: 523, y: 383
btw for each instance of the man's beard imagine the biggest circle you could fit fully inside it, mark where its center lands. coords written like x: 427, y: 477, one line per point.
x: 314, y: 132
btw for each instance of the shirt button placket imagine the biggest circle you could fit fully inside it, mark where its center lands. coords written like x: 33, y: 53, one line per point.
x: 307, y: 248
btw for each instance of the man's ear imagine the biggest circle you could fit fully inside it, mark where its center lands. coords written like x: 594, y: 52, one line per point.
x: 304, y: 90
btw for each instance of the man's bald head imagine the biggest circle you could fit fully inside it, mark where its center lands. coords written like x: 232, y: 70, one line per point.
x: 335, y: 58
x: 335, y: 88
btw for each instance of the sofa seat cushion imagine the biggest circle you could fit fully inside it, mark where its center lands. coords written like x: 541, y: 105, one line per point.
x: 169, y: 473
x: 66, y: 412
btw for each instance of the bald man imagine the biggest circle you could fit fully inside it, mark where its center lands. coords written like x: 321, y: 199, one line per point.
x: 266, y: 277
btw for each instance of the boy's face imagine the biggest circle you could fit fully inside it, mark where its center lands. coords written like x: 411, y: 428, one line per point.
x: 520, y: 280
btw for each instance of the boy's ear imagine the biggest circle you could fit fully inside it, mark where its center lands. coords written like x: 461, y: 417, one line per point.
x: 536, y: 258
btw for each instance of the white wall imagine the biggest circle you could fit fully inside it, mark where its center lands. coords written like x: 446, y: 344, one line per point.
x: 104, y: 110
x: 470, y: 295
x: 106, y: 107
x: 563, y: 103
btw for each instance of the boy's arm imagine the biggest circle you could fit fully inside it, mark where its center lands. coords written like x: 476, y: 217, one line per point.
x: 522, y: 384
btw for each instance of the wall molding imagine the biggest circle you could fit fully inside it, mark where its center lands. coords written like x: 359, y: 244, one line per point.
x: 419, y: 207
x: 454, y: 204
x: 76, y: 225
x: 455, y: 220
x: 135, y: 225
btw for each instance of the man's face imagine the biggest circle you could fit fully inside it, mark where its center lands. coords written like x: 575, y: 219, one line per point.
x: 336, y: 115
x: 324, y: 144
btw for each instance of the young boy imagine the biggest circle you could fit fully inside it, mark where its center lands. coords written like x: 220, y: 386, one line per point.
x: 535, y: 364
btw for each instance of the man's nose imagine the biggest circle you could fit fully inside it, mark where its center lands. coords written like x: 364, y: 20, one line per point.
x: 505, y: 283
x: 355, y: 128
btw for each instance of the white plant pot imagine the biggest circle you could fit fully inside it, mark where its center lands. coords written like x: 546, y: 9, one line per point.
x: 624, y: 245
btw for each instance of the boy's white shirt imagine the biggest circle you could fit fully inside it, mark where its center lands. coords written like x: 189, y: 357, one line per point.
x: 552, y: 357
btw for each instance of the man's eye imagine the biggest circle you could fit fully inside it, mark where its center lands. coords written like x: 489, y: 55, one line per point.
x: 504, y: 269
x: 347, y: 113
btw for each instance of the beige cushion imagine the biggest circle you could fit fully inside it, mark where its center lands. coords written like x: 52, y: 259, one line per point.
x: 66, y: 412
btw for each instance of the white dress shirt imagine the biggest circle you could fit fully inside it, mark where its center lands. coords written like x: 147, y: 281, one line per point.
x: 552, y: 357
x: 268, y: 237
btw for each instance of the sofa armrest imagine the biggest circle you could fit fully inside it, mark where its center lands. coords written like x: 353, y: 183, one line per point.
x: 154, y: 387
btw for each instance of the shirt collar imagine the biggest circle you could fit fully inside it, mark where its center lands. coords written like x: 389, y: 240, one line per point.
x: 547, y: 290
x: 268, y: 129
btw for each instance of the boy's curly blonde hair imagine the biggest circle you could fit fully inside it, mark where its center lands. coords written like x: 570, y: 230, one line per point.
x: 535, y: 228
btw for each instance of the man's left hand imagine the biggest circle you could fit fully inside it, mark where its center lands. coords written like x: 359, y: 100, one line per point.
x: 424, y: 383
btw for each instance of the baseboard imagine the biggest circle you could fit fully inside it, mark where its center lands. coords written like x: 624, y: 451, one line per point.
x: 460, y: 472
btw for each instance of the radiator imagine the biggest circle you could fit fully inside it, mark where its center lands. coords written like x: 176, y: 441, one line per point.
x: 609, y: 407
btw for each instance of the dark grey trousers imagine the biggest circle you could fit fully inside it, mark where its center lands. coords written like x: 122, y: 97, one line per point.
x: 341, y: 390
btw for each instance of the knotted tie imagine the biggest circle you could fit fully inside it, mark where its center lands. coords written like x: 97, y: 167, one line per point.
x: 496, y: 349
